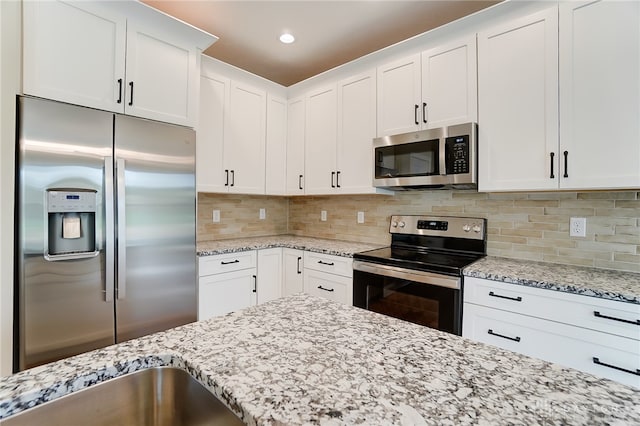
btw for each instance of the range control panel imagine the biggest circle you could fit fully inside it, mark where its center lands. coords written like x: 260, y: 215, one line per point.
x: 458, y: 227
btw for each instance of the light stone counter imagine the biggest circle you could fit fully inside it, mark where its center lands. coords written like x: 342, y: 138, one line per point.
x: 306, y: 360
x: 601, y: 283
x: 318, y: 245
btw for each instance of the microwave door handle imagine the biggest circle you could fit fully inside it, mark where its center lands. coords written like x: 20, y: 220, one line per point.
x: 443, y: 156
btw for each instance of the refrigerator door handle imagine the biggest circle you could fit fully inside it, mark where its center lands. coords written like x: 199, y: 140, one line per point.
x: 122, y: 224
x: 109, y: 229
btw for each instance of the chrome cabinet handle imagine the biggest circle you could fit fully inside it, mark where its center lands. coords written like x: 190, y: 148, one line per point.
x: 326, y: 263
x: 515, y: 339
x: 599, y: 315
x: 109, y: 273
x: 298, y: 269
x: 325, y: 289
x: 515, y: 299
x: 615, y: 367
x: 229, y: 263
x: 122, y: 225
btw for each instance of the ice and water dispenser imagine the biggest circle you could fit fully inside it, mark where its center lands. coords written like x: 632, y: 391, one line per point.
x: 71, y: 224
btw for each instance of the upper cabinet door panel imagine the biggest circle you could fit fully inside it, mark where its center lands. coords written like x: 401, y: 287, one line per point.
x: 276, y: 146
x: 600, y: 93
x: 449, y: 84
x: 320, y: 141
x: 296, y: 110
x: 399, y: 109
x: 518, y: 104
x: 74, y: 52
x: 162, y: 76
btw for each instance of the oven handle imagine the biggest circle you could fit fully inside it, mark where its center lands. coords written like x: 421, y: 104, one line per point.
x: 408, y: 274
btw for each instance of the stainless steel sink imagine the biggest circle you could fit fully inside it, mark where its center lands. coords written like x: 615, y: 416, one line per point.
x: 155, y: 396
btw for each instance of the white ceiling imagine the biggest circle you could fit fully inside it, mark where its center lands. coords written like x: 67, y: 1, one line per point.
x: 328, y: 33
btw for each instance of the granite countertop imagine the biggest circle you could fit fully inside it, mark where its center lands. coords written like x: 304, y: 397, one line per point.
x: 318, y: 245
x: 601, y: 283
x: 307, y: 360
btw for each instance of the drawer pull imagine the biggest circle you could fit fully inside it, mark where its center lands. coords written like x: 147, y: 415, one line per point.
x: 325, y: 289
x: 599, y: 315
x: 597, y: 361
x: 229, y: 263
x: 517, y: 299
x: 325, y: 263
x: 515, y: 339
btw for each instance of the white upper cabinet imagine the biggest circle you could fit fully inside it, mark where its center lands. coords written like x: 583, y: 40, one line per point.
x: 76, y: 52
x: 433, y: 89
x: 320, y: 141
x: 450, y: 84
x: 276, y: 146
x: 296, y: 113
x: 356, y: 130
x: 518, y: 104
x: 244, y: 140
x: 214, y: 104
x: 600, y: 94
x: 399, y: 96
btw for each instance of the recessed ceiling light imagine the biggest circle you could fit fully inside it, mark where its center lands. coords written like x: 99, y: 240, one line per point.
x: 287, y: 38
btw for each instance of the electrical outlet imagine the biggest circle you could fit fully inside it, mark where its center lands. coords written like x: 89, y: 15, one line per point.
x: 216, y: 216
x: 578, y: 227
x: 360, y: 217
x: 323, y: 215
x: 263, y: 214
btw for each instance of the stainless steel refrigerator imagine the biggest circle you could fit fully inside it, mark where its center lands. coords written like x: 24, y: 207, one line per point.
x: 105, y: 216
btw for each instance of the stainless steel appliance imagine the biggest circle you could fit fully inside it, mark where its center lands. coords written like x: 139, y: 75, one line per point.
x: 419, y: 278
x: 435, y: 158
x: 105, y: 219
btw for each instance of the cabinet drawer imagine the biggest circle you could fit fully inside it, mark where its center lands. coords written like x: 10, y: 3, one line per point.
x: 608, y: 316
x: 329, y: 263
x: 330, y: 286
x: 227, y: 262
x: 566, y: 345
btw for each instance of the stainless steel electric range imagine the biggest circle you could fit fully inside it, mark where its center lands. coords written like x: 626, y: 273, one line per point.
x: 419, y: 277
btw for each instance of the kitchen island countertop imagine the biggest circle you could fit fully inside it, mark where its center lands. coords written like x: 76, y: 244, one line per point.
x: 307, y: 360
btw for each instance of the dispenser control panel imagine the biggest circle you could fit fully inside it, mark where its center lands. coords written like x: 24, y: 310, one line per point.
x: 71, y: 201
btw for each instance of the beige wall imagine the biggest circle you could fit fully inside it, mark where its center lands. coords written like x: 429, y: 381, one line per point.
x: 520, y: 225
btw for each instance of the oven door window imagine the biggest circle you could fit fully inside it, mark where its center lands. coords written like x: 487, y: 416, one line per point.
x: 406, y: 160
x: 425, y: 304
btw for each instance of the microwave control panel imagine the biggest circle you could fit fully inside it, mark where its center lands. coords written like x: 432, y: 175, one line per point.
x: 458, y: 159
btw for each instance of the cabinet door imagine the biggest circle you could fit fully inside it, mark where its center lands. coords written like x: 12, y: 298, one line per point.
x: 399, y: 107
x: 600, y: 94
x: 320, y: 141
x: 356, y: 130
x: 245, y: 139
x: 450, y: 84
x: 518, y: 104
x: 269, y: 284
x: 296, y: 112
x: 276, y: 146
x: 223, y: 293
x: 293, y: 263
x: 214, y: 102
x: 162, y: 75
x: 74, y: 52
x: 330, y: 286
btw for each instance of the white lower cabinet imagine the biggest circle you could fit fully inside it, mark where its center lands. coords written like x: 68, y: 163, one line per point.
x: 329, y: 276
x: 269, y: 285
x: 292, y: 274
x: 600, y: 337
x: 220, y: 294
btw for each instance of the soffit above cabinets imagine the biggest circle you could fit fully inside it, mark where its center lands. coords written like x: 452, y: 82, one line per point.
x: 328, y: 33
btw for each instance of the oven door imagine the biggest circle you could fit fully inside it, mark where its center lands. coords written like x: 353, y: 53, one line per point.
x: 424, y: 298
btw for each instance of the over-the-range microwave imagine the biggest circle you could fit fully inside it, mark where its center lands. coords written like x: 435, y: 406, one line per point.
x: 444, y: 157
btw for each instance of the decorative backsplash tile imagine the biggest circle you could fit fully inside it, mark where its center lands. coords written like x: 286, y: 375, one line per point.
x: 520, y: 225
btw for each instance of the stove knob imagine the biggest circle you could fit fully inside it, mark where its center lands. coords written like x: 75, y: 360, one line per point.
x: 476, y: 228
x: 394, y: 224
x: 466, y: 228
x: 401, y: 224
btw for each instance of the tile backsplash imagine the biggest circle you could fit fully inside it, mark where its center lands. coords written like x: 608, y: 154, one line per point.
x: 520, y: 225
